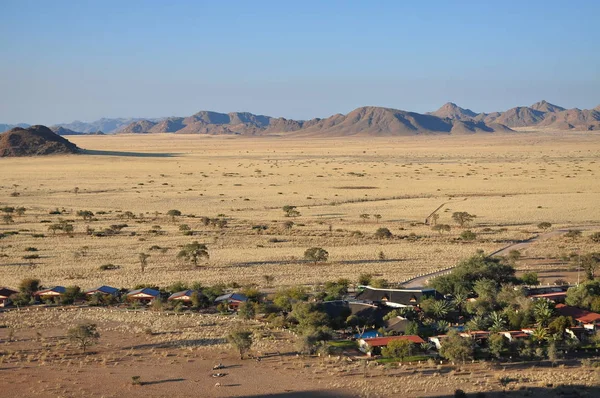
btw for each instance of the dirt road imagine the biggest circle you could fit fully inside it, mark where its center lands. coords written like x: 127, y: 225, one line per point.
x: 422, y: 280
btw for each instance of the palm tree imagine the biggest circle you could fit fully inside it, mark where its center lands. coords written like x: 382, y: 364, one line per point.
x: 498, y: 321
x: 459, y: 300
x: 440, y: 309
x: 539, y: 335
x: 478, y: 322
x: 192, y: 251
x: 426, y: 346
x: 442, y: 327
x: 543, y: 310
x: 407, y: 312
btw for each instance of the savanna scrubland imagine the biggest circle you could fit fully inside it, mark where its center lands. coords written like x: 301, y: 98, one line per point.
x: 510, y: 182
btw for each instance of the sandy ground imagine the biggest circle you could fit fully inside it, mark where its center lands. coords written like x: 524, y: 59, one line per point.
x: 36, y: 363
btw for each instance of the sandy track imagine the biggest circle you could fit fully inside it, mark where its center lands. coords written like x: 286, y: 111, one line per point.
x: 422, y: 280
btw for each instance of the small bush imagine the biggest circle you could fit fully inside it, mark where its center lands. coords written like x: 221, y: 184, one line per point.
x: 109, y: 267
x: 383, y: 233
x: 468, y: 235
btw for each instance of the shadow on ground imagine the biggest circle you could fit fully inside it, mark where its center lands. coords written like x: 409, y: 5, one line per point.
x: 558, y: 391
x: 128, y: 154
x: 149, y: 383
x: 300, y: 394
x: 571, y: 391
x: 280, y: 262
x: 177, y: 343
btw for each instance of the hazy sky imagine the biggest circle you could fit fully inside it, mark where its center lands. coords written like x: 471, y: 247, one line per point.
x: 66, y: 60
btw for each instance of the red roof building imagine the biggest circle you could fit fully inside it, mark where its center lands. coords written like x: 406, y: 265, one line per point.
x: 557, y: 297
x: 514, y: 335
x: 580, y: 315
x: 5, y: 294
x: 382, y: 341
x: 371, y: 345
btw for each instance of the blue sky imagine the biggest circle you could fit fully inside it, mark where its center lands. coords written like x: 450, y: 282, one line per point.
x: 79, y: 59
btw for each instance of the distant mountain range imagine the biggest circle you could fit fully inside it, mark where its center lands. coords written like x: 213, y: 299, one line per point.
x: 6, y: 127
x: 104, y: 125
x: 364, y: 121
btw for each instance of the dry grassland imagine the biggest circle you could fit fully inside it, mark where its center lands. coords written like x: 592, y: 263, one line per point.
x: 511, y: 182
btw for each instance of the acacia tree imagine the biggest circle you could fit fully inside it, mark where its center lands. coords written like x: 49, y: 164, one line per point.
x: 85, y: 214
x: 316, y: 254
x: 497, y: 344
x: 383, y: 233
x: 441, y: 228
x: 457, y: 348
x: 573, y: 234
x: 398, y: 349
x: 544, y: 225
x: 143, y: 257
x: 589, y: 262
x: 173, y: 213
x: 67, y: 228
x: 463, y: 218
x: 84, y: 335
x: 193, y: 251
x: 27, y: 288
x: 240, y: 340
x: 290, y: 211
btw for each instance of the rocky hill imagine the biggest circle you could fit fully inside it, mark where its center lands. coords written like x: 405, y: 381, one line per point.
x: 545, y: 115
x: 539, y: 115
x: 140, y: 126
x: 545, y: 106
x: 33, y: 141
x: 452, y: 111
x: 378, y: 121
x: 64, y: 131
x: 215, y: 123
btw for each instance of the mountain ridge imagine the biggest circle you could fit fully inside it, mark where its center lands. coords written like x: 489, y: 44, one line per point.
x: 363, y: 121
x: 379, y: 121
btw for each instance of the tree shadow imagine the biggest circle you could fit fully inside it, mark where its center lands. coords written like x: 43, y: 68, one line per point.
x: 574, y: 390
x: 302, y: 394
x: 280, y: 262
x: 149, y: 383
x: 128, y: 154
x: 550, y: 391
x: 177, y: 344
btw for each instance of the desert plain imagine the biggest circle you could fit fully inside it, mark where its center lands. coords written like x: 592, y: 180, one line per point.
x: 344, y: 190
